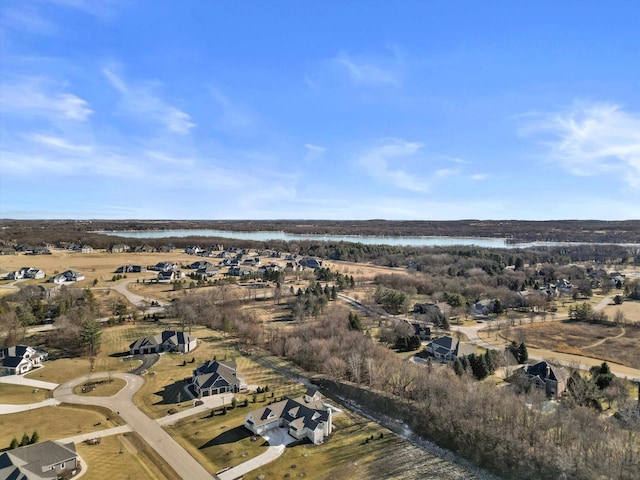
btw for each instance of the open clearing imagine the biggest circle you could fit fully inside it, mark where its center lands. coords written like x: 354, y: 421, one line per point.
x: 21, y: 394
x: 587, y: 339
x: 118, y: 457
x: 52, y: 423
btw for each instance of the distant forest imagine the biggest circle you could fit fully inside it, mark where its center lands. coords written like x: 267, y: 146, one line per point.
x: 515, y: 231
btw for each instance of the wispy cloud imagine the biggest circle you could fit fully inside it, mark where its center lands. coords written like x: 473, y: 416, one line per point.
x: 140, y: 100
x: 391, y: 160
x: 313, y: 152
x: 366, y: 72
x: 32, y: 96
x: 230, y: 116
x: 479, y: 176
x: 27, y: 19
x: 591, y: 138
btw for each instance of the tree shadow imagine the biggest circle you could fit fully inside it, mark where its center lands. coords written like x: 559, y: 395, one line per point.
x: 120, y: 354
x: 231, y: 436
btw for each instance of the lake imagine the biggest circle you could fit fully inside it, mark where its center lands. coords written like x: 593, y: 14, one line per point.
x: 261, y: 236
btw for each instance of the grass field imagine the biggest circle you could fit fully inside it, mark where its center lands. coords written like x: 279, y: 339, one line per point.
x: 588, y: 339
x: 630, y: 309
x: 21, y: 394
x: 53, y: 423
x: 119, y: 457
x: 102, y: 389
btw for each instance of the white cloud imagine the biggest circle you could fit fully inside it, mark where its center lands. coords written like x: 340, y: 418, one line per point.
x: 313, y: 152
x: 141, y: 101
x: 27, y: 19
x: 33, y: 96
x: 591, y: 138
x: 479, y: 176
x: 368, y: 72
x: 388, y: 161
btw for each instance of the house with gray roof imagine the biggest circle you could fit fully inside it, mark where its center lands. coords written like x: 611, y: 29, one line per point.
x: 20, y: 359
x: 41, y: 461
x: 166, y: 341
x: 305, y: 417
x: 550, y: 378
x: 447, y: 349
x: 215, y: 377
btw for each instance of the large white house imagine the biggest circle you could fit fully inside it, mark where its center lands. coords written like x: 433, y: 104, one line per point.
x: 305, y: 417
x: 20, y: 359
x: 215, y: 377
x: 26, y: 272
x: 167, y: 341
x: 70, y: 276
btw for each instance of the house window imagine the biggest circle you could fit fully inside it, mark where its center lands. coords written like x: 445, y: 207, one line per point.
x: 62, y: 465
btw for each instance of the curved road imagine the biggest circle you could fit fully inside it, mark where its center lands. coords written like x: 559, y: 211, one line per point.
x: 122, y: 403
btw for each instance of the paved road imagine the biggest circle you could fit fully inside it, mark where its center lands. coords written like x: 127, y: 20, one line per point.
x: 21, y: 380
x: 122, y: 403
x: 278, y: 439
x: 136, y: 299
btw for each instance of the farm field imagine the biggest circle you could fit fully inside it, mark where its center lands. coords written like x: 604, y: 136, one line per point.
x: 614, y: 343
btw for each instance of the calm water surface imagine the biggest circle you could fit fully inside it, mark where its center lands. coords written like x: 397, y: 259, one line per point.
x: 365, y: 239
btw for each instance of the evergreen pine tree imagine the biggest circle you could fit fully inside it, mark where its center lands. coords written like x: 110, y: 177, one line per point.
x: 523, y: 354
x: 35, y: 438
x: 14, y: 444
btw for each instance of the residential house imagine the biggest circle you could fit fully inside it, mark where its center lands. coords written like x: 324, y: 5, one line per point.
x: 69, y: 276
x: 166, y: 341
x: 41, y: 461
x: 20, y: 359
x: 200, y: 264
x: 40, y: 251
x: 26, y: 272
x: 120, y: 248
x: 240, y: 271
x: 305, y: 417
x: 193, y: 249
x: 552, y: 379
x: 7, y: 251
x: 214, y: 377
x: 131, y: 269
x: 421, y: 331
x: 310, y: 263
x: 209, y: 271
x: 167, y: 276
x: 167, y: 248
x: 483, y: 307
x: 86, y: 249
x: 166, y: 266
x: 564, y: 286
x: 144, y: 249
x: 447, y: 349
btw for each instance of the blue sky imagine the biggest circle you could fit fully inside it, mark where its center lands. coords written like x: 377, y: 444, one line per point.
x: 322, y: 110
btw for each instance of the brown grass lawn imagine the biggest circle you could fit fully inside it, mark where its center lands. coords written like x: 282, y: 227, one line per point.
x: 103, y: 389
x: 631, y: 310
x: 21, y: 394
x: 100, y: 265
x: 576, y: 338
x: 118, y: 457
x: 53, y: 423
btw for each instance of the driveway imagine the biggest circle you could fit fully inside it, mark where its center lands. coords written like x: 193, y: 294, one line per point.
x: 29, y: 382
x: 278, y: 439
x: 122, y: 403
x: 136, y: 299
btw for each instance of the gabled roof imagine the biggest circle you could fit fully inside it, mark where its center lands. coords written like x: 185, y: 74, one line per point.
x: 31, y: 462
x: 215, y: 374
x: 545, y: 371
x: 294, y: 411
x: 168, y: 336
